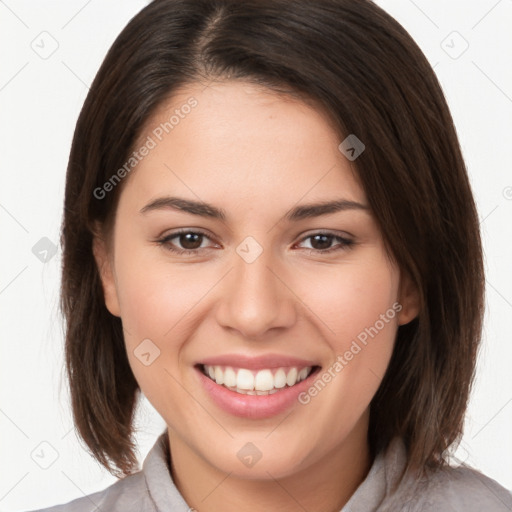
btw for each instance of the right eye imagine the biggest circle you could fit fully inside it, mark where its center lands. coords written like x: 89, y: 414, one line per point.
x: 191, y: 241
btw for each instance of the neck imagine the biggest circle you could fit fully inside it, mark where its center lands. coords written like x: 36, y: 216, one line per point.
x: 324, y: 486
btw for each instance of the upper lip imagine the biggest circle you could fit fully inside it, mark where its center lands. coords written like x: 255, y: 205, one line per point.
x: 257, y: 362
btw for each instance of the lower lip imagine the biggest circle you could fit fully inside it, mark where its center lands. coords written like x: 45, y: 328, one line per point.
x: 254, y: 406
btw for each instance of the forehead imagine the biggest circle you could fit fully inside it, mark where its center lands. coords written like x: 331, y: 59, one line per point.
x: 241, y: 143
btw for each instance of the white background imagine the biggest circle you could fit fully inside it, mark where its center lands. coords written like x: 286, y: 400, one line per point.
x: 40, y: 100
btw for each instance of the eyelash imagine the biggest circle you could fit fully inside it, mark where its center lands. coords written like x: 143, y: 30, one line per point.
x: 345, y: 243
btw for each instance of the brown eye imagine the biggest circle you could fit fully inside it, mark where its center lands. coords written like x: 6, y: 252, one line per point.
x: 190, y: 240
x: 321, y: 242
x: 324, y: 243
x: 185, y: 242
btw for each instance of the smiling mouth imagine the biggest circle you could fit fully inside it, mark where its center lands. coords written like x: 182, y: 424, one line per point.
x: 257, y: 382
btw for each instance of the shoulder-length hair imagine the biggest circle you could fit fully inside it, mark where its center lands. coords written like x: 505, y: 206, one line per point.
x: 364, y: 71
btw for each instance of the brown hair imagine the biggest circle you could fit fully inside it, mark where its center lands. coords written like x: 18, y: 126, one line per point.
x: 359, y: 65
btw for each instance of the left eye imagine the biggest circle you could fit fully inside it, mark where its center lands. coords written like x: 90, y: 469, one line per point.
x: 321, y: 242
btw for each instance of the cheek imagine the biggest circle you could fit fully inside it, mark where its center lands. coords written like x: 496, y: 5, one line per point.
x: 155, y: 307
x: 351, y: 298
x: 358, y: 308
x: 359, y: 305
x: 155, y: 297
x: 161, y: 304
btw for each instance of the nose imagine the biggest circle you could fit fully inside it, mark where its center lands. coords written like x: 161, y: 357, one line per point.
x: 255, y: 298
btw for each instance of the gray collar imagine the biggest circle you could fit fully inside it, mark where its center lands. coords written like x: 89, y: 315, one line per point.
x: 385, y: 473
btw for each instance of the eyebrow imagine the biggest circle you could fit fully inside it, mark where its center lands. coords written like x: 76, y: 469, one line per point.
x: 295, y: 214
x: 323, y: 208
x: 185, y: 205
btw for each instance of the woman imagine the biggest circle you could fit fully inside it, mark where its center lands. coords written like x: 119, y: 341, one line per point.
x: 269, y: 231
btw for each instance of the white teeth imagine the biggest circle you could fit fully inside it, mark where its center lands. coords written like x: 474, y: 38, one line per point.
x: 280, y: 379
x: 244, y: 379
x: 291, y: 378
x: 262, y: 382
x: 302, y: 374
x: 229, y: 378
x: 219, y: 375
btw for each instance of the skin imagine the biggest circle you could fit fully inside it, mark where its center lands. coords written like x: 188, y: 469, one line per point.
x: 256, y: 155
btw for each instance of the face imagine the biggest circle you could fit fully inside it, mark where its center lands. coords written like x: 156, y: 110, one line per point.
x: 255, y: 323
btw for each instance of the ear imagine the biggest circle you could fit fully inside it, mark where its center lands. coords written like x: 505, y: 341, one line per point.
x: 409, y: 299
x: 106, y: 271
